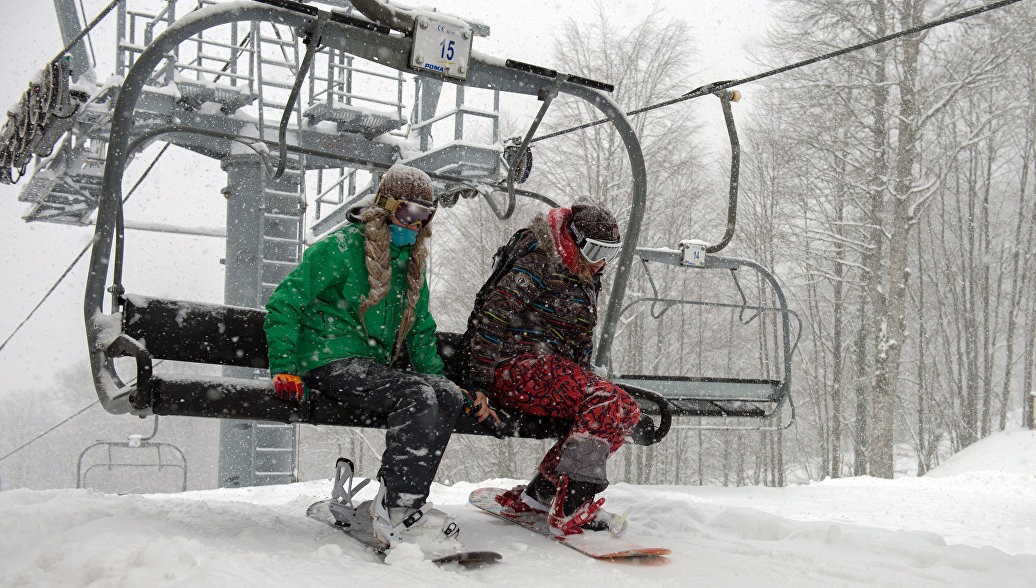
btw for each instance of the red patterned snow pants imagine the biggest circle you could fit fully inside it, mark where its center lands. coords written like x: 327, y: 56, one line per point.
x: 548, y: 385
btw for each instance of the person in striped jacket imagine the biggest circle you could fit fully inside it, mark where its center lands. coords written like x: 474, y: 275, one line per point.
x: 531, y: 340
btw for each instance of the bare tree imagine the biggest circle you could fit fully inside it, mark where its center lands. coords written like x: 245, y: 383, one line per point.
x: 878, y: 154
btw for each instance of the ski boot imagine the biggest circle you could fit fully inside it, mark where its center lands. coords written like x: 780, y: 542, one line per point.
x: 431, y: 529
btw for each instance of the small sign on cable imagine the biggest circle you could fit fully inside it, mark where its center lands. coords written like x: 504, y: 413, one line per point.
x: 693, y: 252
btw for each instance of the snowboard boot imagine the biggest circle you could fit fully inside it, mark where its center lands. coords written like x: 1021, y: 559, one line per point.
x: 531, y: 499
x: 572, y: 506
x: 573, y: 510
x: 431, y: 529
x: 606, y: 521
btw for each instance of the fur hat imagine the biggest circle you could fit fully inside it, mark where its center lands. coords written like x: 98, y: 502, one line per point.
x: 403, y: 182
x: 595, y: 221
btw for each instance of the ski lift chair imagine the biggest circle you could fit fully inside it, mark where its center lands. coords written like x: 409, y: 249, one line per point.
x: 758, y: 400
x: 761, y: 400
x: 155, y: 458
x: 149, y: 328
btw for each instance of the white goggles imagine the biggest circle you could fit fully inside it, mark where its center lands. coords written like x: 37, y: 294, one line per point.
x: 594, y: 250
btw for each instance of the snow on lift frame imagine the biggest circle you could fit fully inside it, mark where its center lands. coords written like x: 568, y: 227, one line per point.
x: 152, y: 328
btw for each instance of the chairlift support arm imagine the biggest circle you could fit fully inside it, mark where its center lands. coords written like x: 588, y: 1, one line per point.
x: 622, y: 272
x: 547, y: 95
x: 725, y: 98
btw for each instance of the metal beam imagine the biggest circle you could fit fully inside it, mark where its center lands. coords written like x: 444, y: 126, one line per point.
x: 68, y: 21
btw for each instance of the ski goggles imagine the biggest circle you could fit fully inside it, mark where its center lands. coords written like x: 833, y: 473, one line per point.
x: 594, y: 250
x: 407, y: 212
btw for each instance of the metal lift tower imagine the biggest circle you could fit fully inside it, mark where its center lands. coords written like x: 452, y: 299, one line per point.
x: 228, y: 95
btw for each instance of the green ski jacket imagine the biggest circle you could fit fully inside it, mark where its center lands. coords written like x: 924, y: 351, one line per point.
x: 313, y: 316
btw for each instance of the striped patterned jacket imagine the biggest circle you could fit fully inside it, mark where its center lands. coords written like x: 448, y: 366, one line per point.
x: 539, y: 307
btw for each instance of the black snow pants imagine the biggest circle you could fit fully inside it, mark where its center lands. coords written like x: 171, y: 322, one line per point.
x: 421, y: 408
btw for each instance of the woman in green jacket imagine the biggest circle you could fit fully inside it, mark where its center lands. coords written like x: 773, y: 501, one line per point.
x: 339, y: 320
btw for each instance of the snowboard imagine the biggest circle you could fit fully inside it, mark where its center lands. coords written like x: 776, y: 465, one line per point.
x: 596, y: 544
x: 355, y: 523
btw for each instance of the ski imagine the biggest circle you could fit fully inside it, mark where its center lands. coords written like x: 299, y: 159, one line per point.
x: 596, y: 544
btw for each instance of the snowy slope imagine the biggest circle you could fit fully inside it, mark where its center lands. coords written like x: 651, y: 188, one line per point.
x: 971, y: 523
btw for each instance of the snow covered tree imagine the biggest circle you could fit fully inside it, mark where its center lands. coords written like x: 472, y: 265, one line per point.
x: 908, y: 129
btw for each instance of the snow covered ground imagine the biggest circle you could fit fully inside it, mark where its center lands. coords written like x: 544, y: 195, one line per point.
x: 972, y: 522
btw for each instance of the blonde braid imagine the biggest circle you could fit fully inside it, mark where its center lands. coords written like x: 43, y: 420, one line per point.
x: 414, y: 280
x: 376, y: 247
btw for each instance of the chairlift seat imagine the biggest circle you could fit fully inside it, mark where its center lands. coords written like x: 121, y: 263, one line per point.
x: 157, y: 328
x: 707, y: 396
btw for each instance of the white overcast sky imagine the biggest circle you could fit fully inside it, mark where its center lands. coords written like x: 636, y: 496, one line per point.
x: 727, y: 33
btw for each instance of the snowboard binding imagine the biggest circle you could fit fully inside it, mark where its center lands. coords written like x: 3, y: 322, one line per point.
x: 353, y: 518
x: 343, y: 492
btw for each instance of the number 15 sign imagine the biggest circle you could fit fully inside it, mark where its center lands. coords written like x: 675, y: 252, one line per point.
x: 441, y: 46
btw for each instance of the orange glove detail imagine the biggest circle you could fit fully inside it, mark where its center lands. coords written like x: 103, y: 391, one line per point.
x: 289, y: 387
